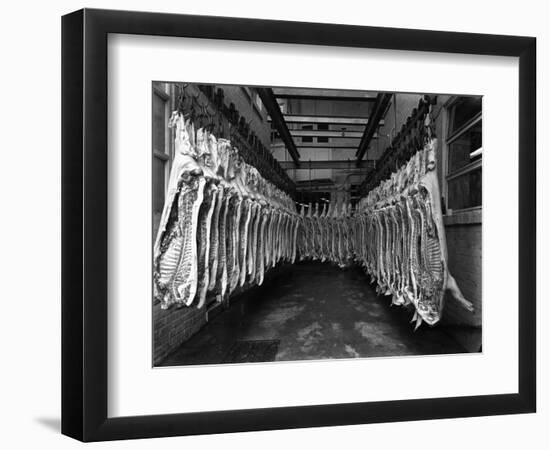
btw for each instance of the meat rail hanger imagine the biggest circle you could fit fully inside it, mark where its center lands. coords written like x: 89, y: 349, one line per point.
x: 204, y: 105
x: 414, y: 133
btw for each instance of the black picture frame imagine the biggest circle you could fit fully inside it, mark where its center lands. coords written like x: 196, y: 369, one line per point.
x: 84, y: 224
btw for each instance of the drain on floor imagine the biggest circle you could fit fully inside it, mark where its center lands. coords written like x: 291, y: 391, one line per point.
x: 252, y: 351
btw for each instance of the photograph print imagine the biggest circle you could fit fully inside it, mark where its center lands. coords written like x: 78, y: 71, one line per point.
x: 295, y: 224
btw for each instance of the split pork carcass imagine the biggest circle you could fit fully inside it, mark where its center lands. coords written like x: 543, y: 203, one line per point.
x: 308, y: 232
x: 222, y: 224
x: 301, y: 234
x: 402, y: 241
x: 175, y: 250
x: 321, y: 223
x: 326, y: 234
x: 207, y: 158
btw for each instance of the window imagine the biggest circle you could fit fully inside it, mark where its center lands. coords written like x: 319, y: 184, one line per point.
x: 322, y: 127
x: 161, y: 154
x: 464, y: 153
x: 307, y: 138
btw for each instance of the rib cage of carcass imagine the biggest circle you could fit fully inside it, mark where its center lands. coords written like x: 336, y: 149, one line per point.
x: 400, y: 239
x: 223, y: 225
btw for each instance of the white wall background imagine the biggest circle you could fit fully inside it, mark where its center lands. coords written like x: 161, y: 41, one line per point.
x: 30, y: 229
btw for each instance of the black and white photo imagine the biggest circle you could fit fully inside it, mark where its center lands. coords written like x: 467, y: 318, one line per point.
x: 306, y: 224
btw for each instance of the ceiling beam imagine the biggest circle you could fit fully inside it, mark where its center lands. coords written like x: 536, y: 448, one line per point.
x: 347, y: 151
x: 378, y: 110
x: 270, y: 103
x: 314, y: 181
x: 310, y: 185
x: 324, y: 188
x: 334, y: 120
x: 325, y: 98
x: 328, y: 134
x: 318, y: 188
x: 329, y: 164
x: 332, y: 94
x: 327, y: 145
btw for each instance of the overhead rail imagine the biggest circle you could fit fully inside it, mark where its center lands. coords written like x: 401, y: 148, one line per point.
x: 406, y: 143
x: 324, y: 94
x: 272, y: 107
x: 378, y: 110
x: 205, y: 105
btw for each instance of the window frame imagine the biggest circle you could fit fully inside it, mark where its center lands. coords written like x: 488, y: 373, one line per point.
x: 167, y: 156
x: 258, y: 105
x: 448, y: 139
x: 323, y: 127
x: 307, y: 139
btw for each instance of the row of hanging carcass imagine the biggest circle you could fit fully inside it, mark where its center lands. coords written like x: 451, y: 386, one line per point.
x: 327, y: 234
x: 223, y: 227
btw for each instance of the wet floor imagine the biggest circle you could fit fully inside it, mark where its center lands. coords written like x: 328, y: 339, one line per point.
x: 313, y: 311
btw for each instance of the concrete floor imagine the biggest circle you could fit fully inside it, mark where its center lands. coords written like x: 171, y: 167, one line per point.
x: 317, y: 311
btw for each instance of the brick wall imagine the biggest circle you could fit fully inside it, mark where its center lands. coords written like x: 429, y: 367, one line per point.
x: 464, y: 247
x: 174, y: 326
